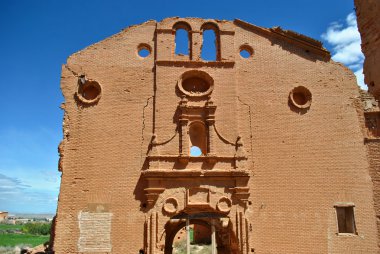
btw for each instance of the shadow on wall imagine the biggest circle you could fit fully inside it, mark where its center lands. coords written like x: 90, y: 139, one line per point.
x: 300, y: 51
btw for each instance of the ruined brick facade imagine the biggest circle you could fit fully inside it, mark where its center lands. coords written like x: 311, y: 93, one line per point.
x: 371, y: 126
x: 368, y: 17
x: 284, y: 167
x: 369, y: 27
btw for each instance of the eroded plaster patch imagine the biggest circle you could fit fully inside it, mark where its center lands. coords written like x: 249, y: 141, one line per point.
x: 95, y: 232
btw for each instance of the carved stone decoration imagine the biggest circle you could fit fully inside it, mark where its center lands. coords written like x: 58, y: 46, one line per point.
x: 152, y: 194
x: 170, y: 205
x: 198, y: 196
x: 241, y: 194
x: 224, y: 205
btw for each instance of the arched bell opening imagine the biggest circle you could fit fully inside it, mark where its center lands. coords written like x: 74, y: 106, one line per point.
x: 183, y: 39
x: 210, y: 42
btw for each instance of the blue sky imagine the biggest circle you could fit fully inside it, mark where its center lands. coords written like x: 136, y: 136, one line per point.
x: 36, y: 37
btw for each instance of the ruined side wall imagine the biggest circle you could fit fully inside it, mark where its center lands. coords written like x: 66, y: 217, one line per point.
x: 305, y: 161
x: 370, y: 123
x: 369, y: 27
x: 374, y: 154
x: 104, y: 145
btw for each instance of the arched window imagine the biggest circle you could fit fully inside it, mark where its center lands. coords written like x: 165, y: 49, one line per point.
x: 182, y: 39
x: 198, y: 139
x: 211, y: 42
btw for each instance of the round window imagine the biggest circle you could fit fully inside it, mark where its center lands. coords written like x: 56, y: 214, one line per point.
x: 196, y: 83
x: 246, y: 51
x: 300, y: 97
x: 144, y: 50
x: 89, y: 91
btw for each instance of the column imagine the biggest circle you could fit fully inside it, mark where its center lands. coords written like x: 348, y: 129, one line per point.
x: 213, y: 239
x: 187, y: 236
x: 210, y: 124
x: 183, y: 121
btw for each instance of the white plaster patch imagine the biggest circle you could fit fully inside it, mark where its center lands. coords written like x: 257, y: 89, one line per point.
x: 95, y: 232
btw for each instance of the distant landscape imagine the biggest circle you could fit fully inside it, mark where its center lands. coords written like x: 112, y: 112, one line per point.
x: 22, y: 231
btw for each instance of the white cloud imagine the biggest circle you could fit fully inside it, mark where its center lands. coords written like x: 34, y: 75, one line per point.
x: 360, y: 78
x: 11, y: 185
x: 351, y: 19
x: 345, y: 41
x: 349, y: 54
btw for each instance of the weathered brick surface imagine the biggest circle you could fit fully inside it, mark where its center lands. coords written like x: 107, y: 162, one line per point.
x: 369, y: 27
x: 124, y: 154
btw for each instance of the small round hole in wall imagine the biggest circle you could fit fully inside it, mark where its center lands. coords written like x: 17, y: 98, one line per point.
x: 144, y: 53
x: 144, y: 50
x: 89, y: 91
x: 246, y: 51
x: 245, y: 54
x: 300, y: 97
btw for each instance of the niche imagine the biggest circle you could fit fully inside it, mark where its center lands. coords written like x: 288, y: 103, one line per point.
x: 198, y: 139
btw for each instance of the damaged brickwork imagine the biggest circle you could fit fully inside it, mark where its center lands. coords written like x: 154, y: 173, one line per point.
x: 367, y: 13
x: 283, y: 132
x: 368, y: 18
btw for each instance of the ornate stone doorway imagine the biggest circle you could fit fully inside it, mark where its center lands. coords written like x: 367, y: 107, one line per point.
x: 211, y: 229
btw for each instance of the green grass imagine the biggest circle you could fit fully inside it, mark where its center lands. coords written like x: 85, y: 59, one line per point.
x: 180, y: 248
x: 10, y: 226
x: 22, y: 239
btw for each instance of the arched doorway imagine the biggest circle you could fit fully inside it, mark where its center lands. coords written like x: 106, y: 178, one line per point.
x: 200, y: 238
x: 208, y: 233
